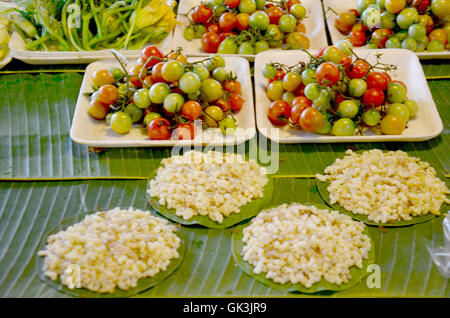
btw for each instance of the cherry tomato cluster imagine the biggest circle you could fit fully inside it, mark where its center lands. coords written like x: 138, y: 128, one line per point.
x: 247, y: 26
x: 416, y: 25
x: 337, y: 94
x: 166, y: 94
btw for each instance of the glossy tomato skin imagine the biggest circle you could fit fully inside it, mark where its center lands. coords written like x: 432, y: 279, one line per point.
x: 213, y: 28
x: 327, y: 74
x: 159, y: 129
x: 380, y: 37
x: 210, y: 42
x: 274, y: 13
x: 201, y: 14
x: 373, y: 97
x: 191, y: 110
x: 279, y: 76
x: 279, y: 112
x: 357, y: 38
x: 377, y: 80
x: 233, y: 87
x: 227, y: 21
x: 232, y: 3
x: 311, y: 120
x: 157, y: 73
x: 236, y: 102
x: 149, y: 52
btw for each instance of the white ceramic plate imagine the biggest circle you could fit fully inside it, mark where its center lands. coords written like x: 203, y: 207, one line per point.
x: 426, y: 125
x: 344, y: 5
x: 315, y: 29
x: 88, y: 131
x: 18, y: 51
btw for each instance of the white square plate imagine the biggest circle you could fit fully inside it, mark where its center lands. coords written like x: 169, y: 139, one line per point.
x: 426, y: 125
x: 314, y: 22
x: 88, y: 131
x: 18, y: 51
x: 344, y: 5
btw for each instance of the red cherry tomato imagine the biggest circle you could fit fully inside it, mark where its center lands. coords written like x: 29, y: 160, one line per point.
x: 357, y: 38
x: 421, y: 5
x: 243, y: 21
x: 191, y: 110
x: 274, y: 13
x: 232, y: 3
x: 233, y: 87
x: 311, y: 120
x: 380, y: 37
x: 157, y: 73
x: 201, y: 14
x: 346, y: 62
x: 226, y: 34
x: 210, y: 42
x: 213, y: 28
x: 158, y: 129
x: 108, y: 94
x: 377, y: 80
x: 278, y: 76
x: 327, y: 74
x: 227, y: 21
x: 373, y: 97
x: 279, y: 112
x: 149, y: 52
x: 236, y: 102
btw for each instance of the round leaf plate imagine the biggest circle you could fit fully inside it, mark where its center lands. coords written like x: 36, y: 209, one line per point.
x: 321, y: 286
x: 142, y: 284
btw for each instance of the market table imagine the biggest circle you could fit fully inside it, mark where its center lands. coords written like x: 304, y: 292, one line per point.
x: 45, y: 177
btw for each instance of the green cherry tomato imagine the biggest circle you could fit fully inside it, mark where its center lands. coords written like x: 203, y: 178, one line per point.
x: 322, y: 103
x: 261, y: 46
x: 357, y: 87
x: 348, y: 108
x: 158, y: 92
x: 435, y: 46
x: 275, y: 90
x: 228, y: 46
x: 440, y: 8
x: 269, y: 71
x: 402, y: 35
x: 227, y: 126
x: 309, y: 76
x: 134, y: 112
x: 288, y: 97
x: 172, y: 71
x: 173, y: 103
x: 298, y: 11
x: 213, y: 115
x: 260, y: 4
x: 362, y: 5
x: 247, y: 6
x: 387, y: 20
x: 211, y: 90
x: 121, y: 122
x: 149, y: 117
x: 399, y: 109
x: 312, y: 91
x: 201, y: 71
x: 220, y: 74
x: 274, y: 33
x: 117, y: 73
x: 407, y: 17
x: 326, y: 128
x: 393, y: 43
x: 190, y: 82
x: 396, y: 93
x: 141, y: 98
x: 199, y: 30
x: 246, y: 48
x: 343, y: 127
x: 189, y: 33
x: 371, y: 117
x: 214, y: 62
x: 345, y: 46
x: 417, y: 31
x: 413, y: 108
x: 287, y: 23
x: 259, y: 20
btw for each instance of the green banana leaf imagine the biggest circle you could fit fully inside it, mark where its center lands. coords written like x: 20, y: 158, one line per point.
x: 247, y: 211
x: 142, y: 285
x: 321, y: 286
